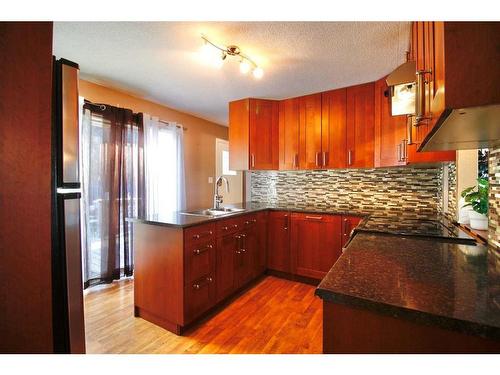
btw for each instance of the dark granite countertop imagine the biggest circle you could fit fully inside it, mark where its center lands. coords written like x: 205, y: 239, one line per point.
x: 176, y: 219
x: 431, y: 281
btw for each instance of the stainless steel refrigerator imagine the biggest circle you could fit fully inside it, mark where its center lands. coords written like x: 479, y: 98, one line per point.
x: 67, y: 293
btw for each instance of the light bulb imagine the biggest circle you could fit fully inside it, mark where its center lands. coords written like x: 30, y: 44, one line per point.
x: 211, y: 55
x: 244, y: 67
x: 258, y: 73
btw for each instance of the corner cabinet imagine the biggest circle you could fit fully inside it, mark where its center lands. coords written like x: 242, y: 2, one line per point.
x: 253, y: 134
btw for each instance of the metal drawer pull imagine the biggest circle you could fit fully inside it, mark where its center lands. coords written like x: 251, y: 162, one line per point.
x: 198, y: 286
x: 349, y: 157
x: 314, y: 217
x: 199, y: 251
x: 197, y: 236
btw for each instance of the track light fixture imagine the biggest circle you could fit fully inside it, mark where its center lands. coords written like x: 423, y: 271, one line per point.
x: 215, y: 55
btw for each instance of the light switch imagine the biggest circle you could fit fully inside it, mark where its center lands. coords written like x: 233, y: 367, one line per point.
x: 210, y: 180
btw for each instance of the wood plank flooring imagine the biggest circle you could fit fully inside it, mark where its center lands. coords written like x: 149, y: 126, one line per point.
x: 273, y: 316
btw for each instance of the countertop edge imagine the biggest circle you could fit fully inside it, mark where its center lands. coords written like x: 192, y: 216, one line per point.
x: 421, y: 317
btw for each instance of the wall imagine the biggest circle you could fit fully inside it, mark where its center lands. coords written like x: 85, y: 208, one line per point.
x: 494, y: 199
x: 199, y: 139
x: 25, y: 187
x: 416, y: 192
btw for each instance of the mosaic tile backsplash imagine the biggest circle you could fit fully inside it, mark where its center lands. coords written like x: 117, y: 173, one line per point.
x: 494, y: 199
x: 414, y: 191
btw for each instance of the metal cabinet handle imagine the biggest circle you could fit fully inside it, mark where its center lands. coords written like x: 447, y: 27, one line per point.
x: 317, y: 158
x: 405, y: 150
x: 197, y: 236
x: 252, y: 159
x: 314, y: 217
x: 296, y: 160
x: 420, y: 96
x: 349, y: 157
x: 198, y: 285
x: 199, y: 251
x: 325, y: 156
x: 399, y: 152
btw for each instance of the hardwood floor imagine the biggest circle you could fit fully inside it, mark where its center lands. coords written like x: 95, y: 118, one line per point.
x: 274, y: 316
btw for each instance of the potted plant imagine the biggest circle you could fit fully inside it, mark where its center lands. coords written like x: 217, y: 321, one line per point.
x: 478, y: 200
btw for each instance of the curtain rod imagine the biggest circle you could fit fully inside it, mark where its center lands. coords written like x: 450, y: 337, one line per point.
x: 103, y: 107
x: 177, y: 126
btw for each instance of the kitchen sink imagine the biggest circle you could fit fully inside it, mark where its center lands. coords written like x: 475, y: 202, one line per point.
x: 210, y: 212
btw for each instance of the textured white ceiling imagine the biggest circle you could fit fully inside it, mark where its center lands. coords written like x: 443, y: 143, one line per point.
x: 160, y: 60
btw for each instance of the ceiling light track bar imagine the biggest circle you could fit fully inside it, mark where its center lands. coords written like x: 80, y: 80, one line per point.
x: 230, y: 50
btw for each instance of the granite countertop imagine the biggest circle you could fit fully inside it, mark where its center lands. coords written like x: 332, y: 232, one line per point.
x: 431, y: 281
x: 176, y: 219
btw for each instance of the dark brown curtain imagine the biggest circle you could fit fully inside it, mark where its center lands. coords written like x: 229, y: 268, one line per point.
x: 113, y: 190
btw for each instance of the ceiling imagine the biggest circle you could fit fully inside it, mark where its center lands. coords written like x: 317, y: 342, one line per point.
x: 160, y: 61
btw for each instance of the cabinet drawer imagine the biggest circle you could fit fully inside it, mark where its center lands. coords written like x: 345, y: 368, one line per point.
x: 199, y: 297
x: 199, y: 233
x: 228, y: 226
x: 200, y: 260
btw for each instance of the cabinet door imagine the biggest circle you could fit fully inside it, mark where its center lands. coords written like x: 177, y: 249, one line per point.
x: 245, y: 257
x: 278, y: 250
x: 199, y: 297
x: 263, y: 134
x: 315, y: 243
x: 348, y: 225
x: 334, y: 129
x: 310, y: 132
x: 390, y: 131
x: 289, y: 134
x: 261, y: 247
x: 360, y: 125
x: 227, y: 246
x: 239, y: 135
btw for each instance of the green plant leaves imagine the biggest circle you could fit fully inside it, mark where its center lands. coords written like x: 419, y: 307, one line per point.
x: 478, y: 200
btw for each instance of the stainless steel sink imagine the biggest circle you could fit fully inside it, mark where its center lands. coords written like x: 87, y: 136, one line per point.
x: 210, y: 212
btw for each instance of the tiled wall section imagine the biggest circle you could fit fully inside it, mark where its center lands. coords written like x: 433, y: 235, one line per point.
x: 451, y: 212
x: 417, y: 192
x: 494, y: 199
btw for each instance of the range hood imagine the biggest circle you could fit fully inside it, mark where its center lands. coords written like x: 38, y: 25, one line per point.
x: 464, y: 129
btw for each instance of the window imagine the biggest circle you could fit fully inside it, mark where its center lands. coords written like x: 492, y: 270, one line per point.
x: 163, y: 168
x: 225, y: 164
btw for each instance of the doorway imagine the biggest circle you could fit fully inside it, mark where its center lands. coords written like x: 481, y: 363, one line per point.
x: 235, y: 178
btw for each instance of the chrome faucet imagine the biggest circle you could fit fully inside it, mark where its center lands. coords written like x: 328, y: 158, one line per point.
x: 218, y: 198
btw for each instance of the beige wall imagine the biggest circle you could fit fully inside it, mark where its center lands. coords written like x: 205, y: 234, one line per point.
x: 199, y: 138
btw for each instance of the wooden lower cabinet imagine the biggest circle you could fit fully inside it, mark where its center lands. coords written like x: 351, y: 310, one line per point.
x: 181, y: 273
x: 227, y: 246
x: 354, y: 330
x: 315, y: 243
x: 278, y: 241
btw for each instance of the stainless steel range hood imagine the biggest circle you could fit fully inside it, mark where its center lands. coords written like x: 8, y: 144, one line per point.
x: 404, y: 73
x: 464, y: 129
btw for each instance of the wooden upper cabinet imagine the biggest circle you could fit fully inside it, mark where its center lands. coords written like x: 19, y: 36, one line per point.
x: 310, y: 131
x: 334, y: 129
x: 289, y: 134
x: 390, y: 131
x: 360, y: 126
x: 253, y: 134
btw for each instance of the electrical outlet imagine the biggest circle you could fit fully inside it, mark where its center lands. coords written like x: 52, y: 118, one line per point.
x: 210, y: 180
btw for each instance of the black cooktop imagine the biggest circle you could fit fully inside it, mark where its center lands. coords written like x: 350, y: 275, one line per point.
x: 442, y: 228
